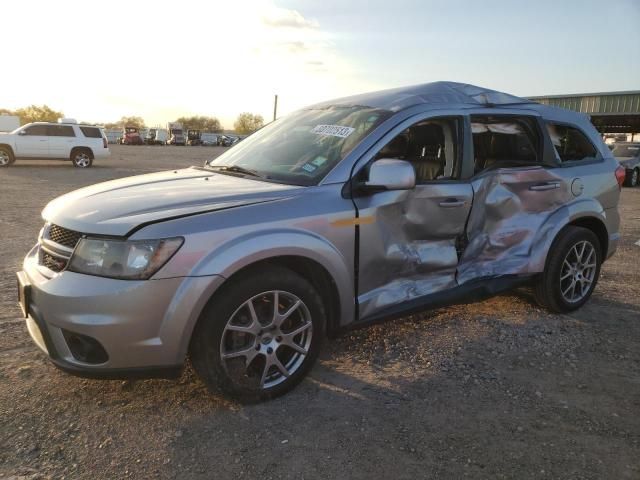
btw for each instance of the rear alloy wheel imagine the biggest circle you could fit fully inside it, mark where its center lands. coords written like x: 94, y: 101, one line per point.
x: 259, y: 336
x: 634, y: 177
x: 82, y: 158
x: 572, y: 271
x: 6, y: 157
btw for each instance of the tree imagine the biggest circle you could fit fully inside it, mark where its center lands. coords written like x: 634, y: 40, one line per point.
x: 137, y: 122
x: 35, y: 113
x: 6, y: 111
x: 248, y: 123
x: 206, y: 124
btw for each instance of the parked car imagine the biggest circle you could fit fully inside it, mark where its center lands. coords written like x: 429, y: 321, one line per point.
x: 224, y: 141
x: 193, y: 137
x: 341, y: 214
x: 176, y: 134
x: 209, y: 139
x: 157, y: 136
x: 628, y: 154
x: 66, y: 140
x: 131, y: 136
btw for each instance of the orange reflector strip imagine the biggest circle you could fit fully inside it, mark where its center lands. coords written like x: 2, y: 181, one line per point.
x: 348, y: 222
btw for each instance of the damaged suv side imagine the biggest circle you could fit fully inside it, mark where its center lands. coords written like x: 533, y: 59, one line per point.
x: 343, y: 213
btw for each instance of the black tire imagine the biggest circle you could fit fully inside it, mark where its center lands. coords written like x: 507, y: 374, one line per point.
x: 631, y: 177
x: 242, y: 377
x: 6, y: 157
x: 549, y: 287
x: 82, y: 158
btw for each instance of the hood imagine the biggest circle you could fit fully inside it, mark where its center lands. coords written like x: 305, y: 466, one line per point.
x: 119, y: 206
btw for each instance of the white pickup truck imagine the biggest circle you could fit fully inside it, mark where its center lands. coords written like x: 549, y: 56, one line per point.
x: 65, y: 140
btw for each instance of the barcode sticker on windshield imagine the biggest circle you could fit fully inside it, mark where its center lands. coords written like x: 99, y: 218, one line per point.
x: 333, y: 130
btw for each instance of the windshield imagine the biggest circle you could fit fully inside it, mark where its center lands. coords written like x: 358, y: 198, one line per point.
x: 626, y: 150
x: 303, y: 147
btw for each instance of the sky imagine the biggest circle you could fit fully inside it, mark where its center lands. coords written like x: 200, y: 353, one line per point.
x: 97, y: 61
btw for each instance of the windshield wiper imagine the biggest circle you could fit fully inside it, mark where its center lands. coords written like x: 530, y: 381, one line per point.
x: 235, y: 169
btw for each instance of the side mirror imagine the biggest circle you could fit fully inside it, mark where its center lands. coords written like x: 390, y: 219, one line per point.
x: 390, y: 174
x: 22, y: 132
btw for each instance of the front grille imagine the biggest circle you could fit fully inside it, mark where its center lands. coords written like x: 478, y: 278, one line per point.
x: 62, y: 236
x: 55, y: 264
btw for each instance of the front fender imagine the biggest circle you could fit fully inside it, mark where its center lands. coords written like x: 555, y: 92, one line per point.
x: 230, y: 257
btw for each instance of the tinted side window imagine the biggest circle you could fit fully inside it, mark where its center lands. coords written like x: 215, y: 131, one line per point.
x: 61, y: 131
x: 91, y: 132
x: 431, y: 146
x: 570, y: 143
x: 37, y: 130
x: 504, y: 141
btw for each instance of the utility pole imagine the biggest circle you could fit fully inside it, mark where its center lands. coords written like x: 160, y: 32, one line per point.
x: 275, y: 106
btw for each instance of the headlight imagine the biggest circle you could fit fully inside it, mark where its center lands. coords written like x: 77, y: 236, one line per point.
x: 124, y: 259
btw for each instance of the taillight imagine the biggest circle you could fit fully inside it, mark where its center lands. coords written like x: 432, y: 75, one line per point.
x: 620, y: 174
x: 104, y: 142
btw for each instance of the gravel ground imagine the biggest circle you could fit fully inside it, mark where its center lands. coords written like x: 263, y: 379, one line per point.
x: 497, y: 389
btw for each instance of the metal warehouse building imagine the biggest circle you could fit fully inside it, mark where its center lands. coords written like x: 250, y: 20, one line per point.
x: 610, y: 112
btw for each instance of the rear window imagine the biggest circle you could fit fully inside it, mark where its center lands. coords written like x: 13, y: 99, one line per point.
x: 570, y: 143
x: 91, y: 132
x: 61, y: 131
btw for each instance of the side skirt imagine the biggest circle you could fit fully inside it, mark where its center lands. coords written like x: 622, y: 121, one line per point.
x: 470, y: 292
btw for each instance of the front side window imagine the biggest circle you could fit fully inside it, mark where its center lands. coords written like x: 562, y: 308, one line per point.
x: 302, y: 148
x: 570, y: 143
x: 61, y: 131
x: 431, y: 146
x: 504, y: 141
x: 40, y: 130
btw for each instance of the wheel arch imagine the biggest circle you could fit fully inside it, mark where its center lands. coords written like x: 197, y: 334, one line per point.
x: 308, y: 255
x: 6, y: 145
x: 311, y: 270
x: 585, y: 214
x: 82, y: 147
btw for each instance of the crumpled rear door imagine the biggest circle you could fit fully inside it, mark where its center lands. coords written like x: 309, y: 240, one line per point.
x: 510, y: 210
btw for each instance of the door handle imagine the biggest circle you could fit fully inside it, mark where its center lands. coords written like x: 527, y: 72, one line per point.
x: 541, y: 187
x: 452, y: 202
x: 45, y: 140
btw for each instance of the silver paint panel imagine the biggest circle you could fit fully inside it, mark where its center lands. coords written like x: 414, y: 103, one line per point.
x: 409, y: 243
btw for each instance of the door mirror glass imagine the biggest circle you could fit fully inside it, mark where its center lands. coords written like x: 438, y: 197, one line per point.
x: 390, y: 174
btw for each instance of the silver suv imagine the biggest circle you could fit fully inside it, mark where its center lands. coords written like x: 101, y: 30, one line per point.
x: 343, y: 213
x: 65, y: 140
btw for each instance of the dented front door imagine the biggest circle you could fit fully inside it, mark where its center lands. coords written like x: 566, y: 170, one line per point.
x: 408, y: 243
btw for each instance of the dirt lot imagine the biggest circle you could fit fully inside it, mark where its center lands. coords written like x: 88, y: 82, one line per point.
x: 499, y: 389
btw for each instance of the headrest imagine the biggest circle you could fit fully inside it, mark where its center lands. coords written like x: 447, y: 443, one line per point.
x: 396, y: 148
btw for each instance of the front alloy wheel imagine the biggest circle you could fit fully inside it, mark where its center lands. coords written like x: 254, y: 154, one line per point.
x: 6, y: 158
x: 267, y: 338
x: 260, y: 334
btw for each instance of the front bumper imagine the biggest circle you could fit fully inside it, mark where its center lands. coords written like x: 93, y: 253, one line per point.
x: 144, y: 326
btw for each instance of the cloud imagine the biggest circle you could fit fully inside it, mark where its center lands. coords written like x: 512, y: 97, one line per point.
x: 283, y: 17
x: 295, y: 46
